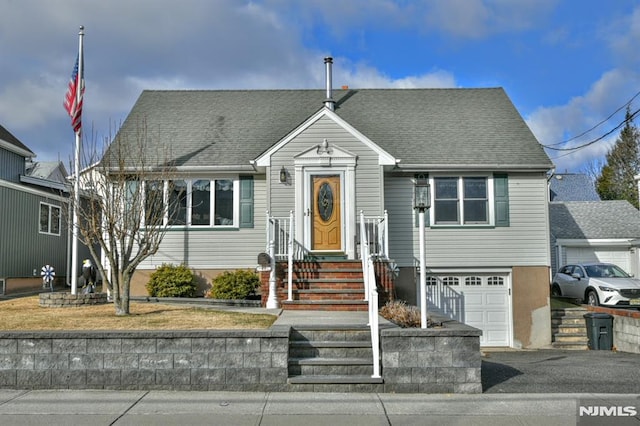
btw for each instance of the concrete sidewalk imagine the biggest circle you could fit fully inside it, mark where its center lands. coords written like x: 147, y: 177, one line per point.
x: 256, y: 408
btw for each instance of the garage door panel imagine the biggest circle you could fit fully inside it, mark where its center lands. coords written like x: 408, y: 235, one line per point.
x: 616, y: 255
x: 496, y: 299
x: 496, y: 317
x: 484, y: 306
x: 473, y: 299
x: 474, y: 316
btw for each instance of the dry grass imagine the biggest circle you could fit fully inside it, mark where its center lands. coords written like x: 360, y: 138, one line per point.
x: 25, y: 314
x: 406, y: 316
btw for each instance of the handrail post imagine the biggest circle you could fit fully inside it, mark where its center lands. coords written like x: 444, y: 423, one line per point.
x: 290, y: 258
x: 385, y: 250
x: 364, y: 254
x: 272, y: 299
x: 373, y: 321
x: 268, y: 231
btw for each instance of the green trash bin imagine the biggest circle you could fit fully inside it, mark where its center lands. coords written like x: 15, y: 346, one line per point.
x: 599, y: 330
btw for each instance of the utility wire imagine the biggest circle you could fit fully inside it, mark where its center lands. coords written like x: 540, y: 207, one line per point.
x: 598, y: 139
x: 595, y: 127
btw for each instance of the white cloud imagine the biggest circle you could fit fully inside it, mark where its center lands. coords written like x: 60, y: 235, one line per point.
x: 553, y: 125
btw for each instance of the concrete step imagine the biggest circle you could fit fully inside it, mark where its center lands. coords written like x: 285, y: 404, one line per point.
x: 330, y: 366
x: 570, y: 337
x: 326, y: 305
x: 327, y: 349
x: 568, y: 328
x: 568, y: 313
x: 321, y: 356
x: 570, y: 345
x: 335, y: 379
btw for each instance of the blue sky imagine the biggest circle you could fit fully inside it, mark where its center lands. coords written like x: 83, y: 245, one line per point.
x: 566, y: 65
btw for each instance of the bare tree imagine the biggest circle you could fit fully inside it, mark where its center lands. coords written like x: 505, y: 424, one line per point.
x: 128, y: 203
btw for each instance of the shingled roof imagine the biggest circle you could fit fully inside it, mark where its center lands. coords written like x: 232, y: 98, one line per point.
x: 594, y: 220
x: 10, y: 142
x: 424, y: 128
x: 572, y: 187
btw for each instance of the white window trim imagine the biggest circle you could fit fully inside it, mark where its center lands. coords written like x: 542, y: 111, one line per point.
x: 50, y: 206
x: 188, y: 212
x: 490, y: 201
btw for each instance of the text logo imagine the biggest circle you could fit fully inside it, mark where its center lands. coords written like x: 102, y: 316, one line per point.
x: 608, y: 411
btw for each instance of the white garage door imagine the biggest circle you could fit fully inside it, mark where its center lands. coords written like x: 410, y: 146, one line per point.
x: 479, y: 300
x: 616, y: 255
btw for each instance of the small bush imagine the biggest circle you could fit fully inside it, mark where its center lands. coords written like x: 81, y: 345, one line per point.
x: 406, y: 316
x: 398, y: 312
x: 172, y: 281
x: 234, y: 285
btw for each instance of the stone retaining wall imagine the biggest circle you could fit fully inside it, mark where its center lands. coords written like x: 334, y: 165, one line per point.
x: 245, y: 360
x: 432, y: 360
x: 68, y: 300
x: 445, y: 360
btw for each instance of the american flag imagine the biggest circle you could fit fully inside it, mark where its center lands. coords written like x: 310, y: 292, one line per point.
x: 73, y: 102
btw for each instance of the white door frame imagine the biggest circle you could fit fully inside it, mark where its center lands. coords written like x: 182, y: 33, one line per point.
x: 326, y: 160
x: 308, y: 204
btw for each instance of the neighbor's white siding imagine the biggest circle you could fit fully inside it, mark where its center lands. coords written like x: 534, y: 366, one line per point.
x: 216, y: 249
x: 369, y: 195
x: 525, y: 242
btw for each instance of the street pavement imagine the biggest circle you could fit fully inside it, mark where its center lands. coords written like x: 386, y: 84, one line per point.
x: 529, y: 387
x: 160, y: 408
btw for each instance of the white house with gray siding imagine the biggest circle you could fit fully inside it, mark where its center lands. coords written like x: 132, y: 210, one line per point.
x: 319, y: 160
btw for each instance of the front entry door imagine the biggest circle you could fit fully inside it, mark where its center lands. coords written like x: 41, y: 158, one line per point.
x: 327, y: 213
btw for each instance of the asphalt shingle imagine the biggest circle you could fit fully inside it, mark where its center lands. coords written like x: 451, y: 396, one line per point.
x: 427, y: 128
x: 594, y: 220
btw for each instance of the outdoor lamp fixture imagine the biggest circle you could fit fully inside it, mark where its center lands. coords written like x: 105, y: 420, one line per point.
x: 283, y: 175
x: 421, y: 202
x: 421, y: 198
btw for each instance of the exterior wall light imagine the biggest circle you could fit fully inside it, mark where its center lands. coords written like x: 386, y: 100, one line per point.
x: 421, y: 196
x: 283, y: 175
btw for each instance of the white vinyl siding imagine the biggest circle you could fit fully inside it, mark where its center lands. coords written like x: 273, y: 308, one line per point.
x: 216, y: 248
x: 525, y: 242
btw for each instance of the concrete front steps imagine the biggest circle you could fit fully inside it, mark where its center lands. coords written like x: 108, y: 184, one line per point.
x: 325, y: 285
x: 568, y: 329
x: 332, y: 359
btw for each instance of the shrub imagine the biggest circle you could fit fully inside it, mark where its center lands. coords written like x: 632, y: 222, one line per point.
x: 406, y: 316
x: 234, y: 285
x: 398, y: 312
x: 172, y: 281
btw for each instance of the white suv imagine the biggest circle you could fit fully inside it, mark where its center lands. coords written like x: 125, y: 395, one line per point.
x: 597, y: 284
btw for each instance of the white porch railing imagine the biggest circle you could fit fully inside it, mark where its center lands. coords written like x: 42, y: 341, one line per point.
x: 371, y: 295
x: 375, y: 230
x: 280, y: 231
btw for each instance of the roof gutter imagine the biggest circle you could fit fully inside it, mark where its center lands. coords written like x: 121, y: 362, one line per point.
x: 191, y: 169
x: 474, y: 167
x: 45, y: 183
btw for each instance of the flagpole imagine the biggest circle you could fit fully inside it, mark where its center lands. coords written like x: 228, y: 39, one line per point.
x: 76, y: 184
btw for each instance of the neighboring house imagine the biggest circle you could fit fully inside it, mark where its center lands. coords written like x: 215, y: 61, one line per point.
x: 326, y: 156
x: 572, y: 187
x: 32, y: 230
x: 585, y: 229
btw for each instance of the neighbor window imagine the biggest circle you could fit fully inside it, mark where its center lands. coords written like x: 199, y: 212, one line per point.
x: 461, y: 200
x: 49, y: 219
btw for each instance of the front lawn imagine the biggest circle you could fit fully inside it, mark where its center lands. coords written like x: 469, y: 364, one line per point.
x: 25, y: 314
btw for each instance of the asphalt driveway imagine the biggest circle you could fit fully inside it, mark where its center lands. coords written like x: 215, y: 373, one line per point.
x: 560, y: 371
